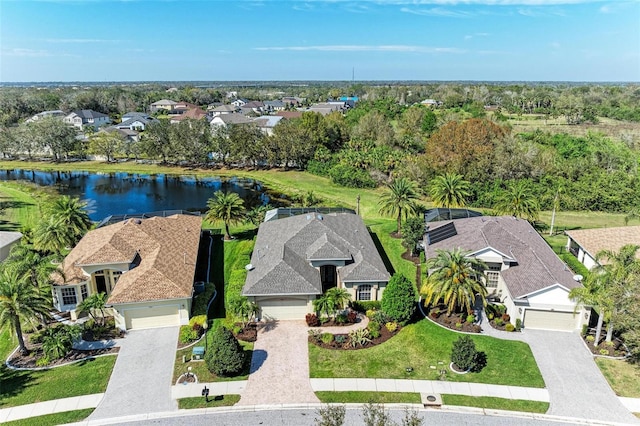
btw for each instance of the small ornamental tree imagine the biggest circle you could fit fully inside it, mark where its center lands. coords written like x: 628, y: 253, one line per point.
x: 399, y: 299
x: 225, y: 356
x: 463, y: 353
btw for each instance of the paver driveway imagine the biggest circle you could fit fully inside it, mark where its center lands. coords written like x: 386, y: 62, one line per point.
x: 576, y: 385
x: 141, y: 379
x: 280, y: 366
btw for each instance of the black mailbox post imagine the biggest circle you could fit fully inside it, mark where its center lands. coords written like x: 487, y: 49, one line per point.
x: 205, y: 393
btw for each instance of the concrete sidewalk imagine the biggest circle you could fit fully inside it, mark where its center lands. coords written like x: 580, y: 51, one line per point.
x: 430, y: 386
x: 49, y: 407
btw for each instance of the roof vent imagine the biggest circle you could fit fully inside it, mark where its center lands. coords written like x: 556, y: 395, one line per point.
x: 249, y: 267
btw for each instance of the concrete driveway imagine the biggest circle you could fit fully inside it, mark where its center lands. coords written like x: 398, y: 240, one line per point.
x: 141, y: 379
x: 574, y: 381
x: 280, y: 366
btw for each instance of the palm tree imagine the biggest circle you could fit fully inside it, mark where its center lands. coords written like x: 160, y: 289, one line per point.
x: 455, y: 278
x: 33, y: 265
x: 593, y: 293
x: 20, y: 301
x: 51, y: 236
x: 339, y: 297
x: 95, y: 302
x: 519, y: 201
x: 449, y: 190
x: 244, y: 309
x: 71, y: 212
x: 400, y: 200
x: 225, y: 207
x: 324, y: 304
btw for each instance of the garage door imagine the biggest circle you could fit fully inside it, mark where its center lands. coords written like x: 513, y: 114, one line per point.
x: 283, y: 309
x: 151, y: 317
x: 550, y: 320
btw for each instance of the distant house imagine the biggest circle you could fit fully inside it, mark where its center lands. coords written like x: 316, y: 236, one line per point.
x: 289, y: 114
x: 225, y: 120
x: 431, y: 103
x: 45, y: 114
x: 162, y: 105
x: 292, y: 101
x: 136, y: 121
x: 224, y: 109
x: 585, y: 244
x: 136, y: 114
x: 87, y: 117
x: 128, y: 134
x: 192, y: 113
x: 326, y: 108
x: 145, y: 266
x: 522, y: 272
x: 239, y: 102
x: 8, y: 239
x: 274, y: 106
x: 298, y: 258
x: 266, y: 123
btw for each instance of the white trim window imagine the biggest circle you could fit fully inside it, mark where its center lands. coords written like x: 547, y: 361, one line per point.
x: 69, y: 296
x: 83, y: 291
x: 364, y: 292
x: 492, y: 276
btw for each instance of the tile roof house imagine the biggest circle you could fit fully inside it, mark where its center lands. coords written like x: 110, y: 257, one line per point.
x: 297, y: 258
x: 163, y: 104
x: 137, y: 122
x: 8, y: 239
x: 192, y: 114
x: 585, y: 244
x: 522, y: 272
x: 87, y: 117
x: 224, y: 109
x: 225, y: 120
x: 145, y: 266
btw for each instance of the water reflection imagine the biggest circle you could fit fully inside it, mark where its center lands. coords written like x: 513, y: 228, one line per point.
x: 132, y: 193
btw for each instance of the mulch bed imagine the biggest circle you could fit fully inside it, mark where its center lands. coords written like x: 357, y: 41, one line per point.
x: 613, y: 349
x: 248, y: 333
x: 89, y: 336
x: 384, y: 336
x: 186, y: 378
x: 407, y: 256
x: 29, y: 361
x: 450, y: 321
x: 501, y: 327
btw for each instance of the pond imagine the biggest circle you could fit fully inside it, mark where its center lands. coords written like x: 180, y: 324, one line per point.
x: 130, y: 193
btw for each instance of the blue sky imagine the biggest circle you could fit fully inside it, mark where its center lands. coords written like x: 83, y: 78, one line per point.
x: 495, y: 40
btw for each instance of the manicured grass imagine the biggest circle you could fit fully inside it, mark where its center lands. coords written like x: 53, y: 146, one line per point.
x: 83, y: 378
x: 18, y: 206
x: 53, y: 419
x: 369, y: 397
x: 392, y: 246
x: 199, y: 368
x: 496, y: 403
x: 422, y: 345
x: 8, y: 342
x: 214, y: 401
x: 623, y: 377
x: 583, y: 219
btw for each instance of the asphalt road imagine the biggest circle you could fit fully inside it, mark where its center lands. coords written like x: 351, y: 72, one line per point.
x: 354, y: 417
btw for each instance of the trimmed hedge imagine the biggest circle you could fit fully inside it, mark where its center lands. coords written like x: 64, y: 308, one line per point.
x: 365, y: 305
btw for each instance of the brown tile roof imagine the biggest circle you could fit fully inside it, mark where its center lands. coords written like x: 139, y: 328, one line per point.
x: 289, y: 114
x: 596, y: 240
x: 165, y: 250
x: 536, y: 265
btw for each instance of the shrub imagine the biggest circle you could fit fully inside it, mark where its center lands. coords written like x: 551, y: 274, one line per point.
x: 198, y: 320
x: 435, y: 313
x: 479, y: 362
x: 330, y: 415
x: 365, y: 305
x: 370, y: 313
x: 187, y: 334
x: 359, y: 337
x: 381, y: 317
x: 509, y: 327
x: 499, y: 322
x: 590, y: 339
x: 471, y: 318
x: 506, y: 317
x: 459, y: 325
x: 225, y: 356
x: 327, y: 338
x: 375, y: 415
x: 399, y: 298
x: 585, y: 328
x: 604, y: 351
x: 609, y: 344
x: 352, y: 316
x: 490, y: 316
x: 340, y: 338
x: 353, y: 177
x: 58, y: 341
x: 391, y: 326
x: 312, y: 320
x: 315, y: 335
x: 374, y: 334
x: 463, y: 352
x: 518, y: 324
x: 374, y: 325
x: 341, y: 319
x: 43, y: 361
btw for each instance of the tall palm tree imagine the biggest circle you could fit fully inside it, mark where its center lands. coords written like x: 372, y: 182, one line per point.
x: 593, y: 292
x: 37, y: 268
x: 20, y: 301
x: 51, y: 236
x: 455, y: 278
x: 400, y: 200
x: 225, y: 207
x: 519, y: 201
x: 449, y: 190
x: 72, y: 213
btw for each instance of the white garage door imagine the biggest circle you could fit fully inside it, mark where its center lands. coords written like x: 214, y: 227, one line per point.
x: 151, y: 317
x: 550, y: 320
x: 283, y: 309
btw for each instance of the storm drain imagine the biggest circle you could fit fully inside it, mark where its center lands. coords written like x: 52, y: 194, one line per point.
x: 431, y: 400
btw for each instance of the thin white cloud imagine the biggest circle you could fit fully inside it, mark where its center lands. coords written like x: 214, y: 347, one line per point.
x: 363, y: 48
x: 33, y: 53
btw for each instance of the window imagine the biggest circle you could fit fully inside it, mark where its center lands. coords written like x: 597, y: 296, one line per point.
x: 69, y: 296
x: 492, y: 275
x: 116, y: 276
x: 364, y: 292
x: 83, y: 291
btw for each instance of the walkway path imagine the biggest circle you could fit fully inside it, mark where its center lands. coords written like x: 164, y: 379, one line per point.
x: 140, y: 378
x: 280, y: 366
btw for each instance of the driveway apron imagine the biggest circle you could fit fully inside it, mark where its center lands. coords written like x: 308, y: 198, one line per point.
x: 280, y: 366
x: 141, y: 379
x: 574, y: 381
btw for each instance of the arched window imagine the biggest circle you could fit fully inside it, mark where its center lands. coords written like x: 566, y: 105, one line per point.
x: 364, y: 292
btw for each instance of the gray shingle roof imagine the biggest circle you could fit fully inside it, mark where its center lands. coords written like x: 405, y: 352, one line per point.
x: 537, y: 266
x: 89, y: 113
x: 284, y: 248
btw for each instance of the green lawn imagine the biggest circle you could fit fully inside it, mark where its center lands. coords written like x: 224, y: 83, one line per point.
x: 392, y: 246
x: 623, y: 377
x: 369, y: 397
x: 214, y: 401
x: 83, y: 378
x: 582, y: 219
x: 8, y: 342
x: 496, y: 403
x: 53, y: 419
x: 421, y: 346
x: 18, y: 206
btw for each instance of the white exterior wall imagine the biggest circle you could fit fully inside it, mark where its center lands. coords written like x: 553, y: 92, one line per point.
x: 554, y: 299
x: 183, y: 306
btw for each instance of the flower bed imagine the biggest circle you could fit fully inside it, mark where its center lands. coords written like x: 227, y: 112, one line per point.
x: 30, y: 360
x: 455, y: 321
x: 615, y: 348
x: 344, y: 341
x: 249, y: 333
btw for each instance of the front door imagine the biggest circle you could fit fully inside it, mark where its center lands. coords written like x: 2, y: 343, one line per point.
x: 328, y: 277
x: 101, y: 284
